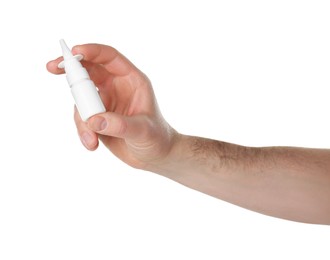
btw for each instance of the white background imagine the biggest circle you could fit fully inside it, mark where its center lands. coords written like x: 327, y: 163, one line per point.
x: 249, y: 72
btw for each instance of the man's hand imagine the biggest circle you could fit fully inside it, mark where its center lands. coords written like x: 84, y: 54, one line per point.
x: 133, y: 127
x: 285, y: 182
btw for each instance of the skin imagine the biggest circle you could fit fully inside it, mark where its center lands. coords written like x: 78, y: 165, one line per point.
x: 286, y: 182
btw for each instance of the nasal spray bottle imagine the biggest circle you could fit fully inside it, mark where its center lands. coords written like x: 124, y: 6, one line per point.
x: 84, y: 92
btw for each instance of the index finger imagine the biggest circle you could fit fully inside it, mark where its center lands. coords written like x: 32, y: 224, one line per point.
x: 115, y: 62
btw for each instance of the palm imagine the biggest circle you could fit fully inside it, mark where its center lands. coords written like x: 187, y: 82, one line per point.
x: 129, y: 95
x: 124, y: 95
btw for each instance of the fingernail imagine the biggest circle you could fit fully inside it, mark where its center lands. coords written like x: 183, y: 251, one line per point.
x: 99, y: 123
x: 87, y: 140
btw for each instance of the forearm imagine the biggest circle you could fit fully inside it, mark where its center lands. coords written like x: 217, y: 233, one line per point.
x: 285, y: 182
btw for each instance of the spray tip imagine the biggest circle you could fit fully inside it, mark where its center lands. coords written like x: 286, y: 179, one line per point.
x: 65, y: 50
x: 67, y: 54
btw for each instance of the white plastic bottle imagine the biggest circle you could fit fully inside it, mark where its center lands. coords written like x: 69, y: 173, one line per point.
x: 84, y: 92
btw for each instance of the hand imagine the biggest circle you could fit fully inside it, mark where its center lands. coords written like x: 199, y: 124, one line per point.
x: 132, y: 128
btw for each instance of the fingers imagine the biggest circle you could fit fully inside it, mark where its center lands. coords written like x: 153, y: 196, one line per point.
x: 101, y: 61
x: 115, y: 62
x: 87, y: 137
x: 98, y: 74
x: 52, y: 66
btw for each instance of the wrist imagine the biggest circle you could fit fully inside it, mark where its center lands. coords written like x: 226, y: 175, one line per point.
x: 175, y: 159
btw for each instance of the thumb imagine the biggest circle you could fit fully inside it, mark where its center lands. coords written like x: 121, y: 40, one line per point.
x: 113, y: 124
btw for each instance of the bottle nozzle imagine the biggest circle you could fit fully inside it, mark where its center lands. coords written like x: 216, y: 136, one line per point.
x: 67, y: 55
x: 65, y: 50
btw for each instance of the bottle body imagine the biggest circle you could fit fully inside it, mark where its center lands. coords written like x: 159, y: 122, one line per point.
x: 87, y: 99
x: 83, y: 90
